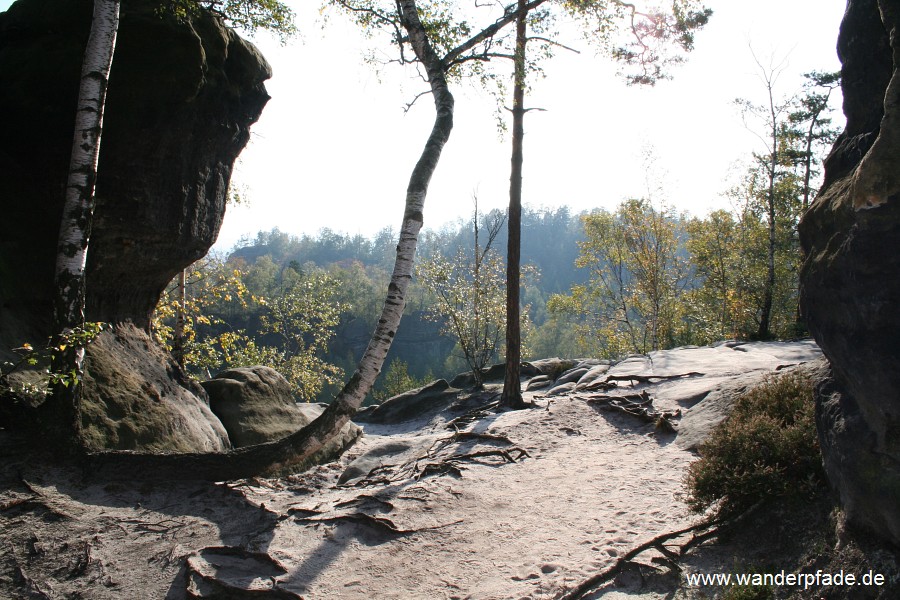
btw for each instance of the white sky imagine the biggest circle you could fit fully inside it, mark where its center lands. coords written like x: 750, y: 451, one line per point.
x: 334, y: 149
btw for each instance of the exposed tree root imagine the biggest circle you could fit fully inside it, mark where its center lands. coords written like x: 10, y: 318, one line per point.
x: 42, y: 498
x: 702, y: 532
x: 637, y: 405
x: 474, y: 414
x: 657, y: 543
x: 382, y: 524
x: 651, y: 378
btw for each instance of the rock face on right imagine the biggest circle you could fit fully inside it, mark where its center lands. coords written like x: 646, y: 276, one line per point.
x: 850, y: 282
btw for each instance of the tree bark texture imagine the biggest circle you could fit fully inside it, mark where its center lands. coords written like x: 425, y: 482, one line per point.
x: 512, y: 389
x: 78, y: 210
x: 180, y: 317
x: 772, y: 168
x: 296, y: 449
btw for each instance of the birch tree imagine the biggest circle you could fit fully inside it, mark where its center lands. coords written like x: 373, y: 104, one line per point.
x: 77, y: 215
x: 294, y: 450
x: 649, y: 36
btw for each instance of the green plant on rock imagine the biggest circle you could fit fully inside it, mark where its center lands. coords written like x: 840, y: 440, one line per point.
x: 767, y: 448
x: 31, y: 357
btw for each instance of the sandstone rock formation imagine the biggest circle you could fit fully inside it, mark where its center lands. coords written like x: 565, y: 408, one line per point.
x: 136, y: 398
x: 182, y: 96
x: 413, y: 404
x: 255, y: 405
x: 181, y: 99
x: 850, y: 290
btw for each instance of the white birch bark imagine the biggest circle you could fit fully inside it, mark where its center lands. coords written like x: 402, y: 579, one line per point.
x: 77, y: 215
x: 75, y: 227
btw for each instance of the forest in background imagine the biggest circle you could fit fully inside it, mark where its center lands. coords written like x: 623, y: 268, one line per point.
x: 603, y: 284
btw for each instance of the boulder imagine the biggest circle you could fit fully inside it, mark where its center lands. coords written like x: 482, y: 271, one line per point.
x: 538, y: 382
x: 136, y: 398
x: 699, y: 422
x: 414, y: 404
x: 492, y: 373
x: 384, y: 454
x: 559, y: 389
x: 850, y: 290
x: 552, y: 367
x: 591, y: 376
x: 573, y: 375
x: 255, y: 406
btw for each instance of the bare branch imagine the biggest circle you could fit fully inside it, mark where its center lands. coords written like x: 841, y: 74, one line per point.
x: 510, y: 15
x: 554, y: 43
x: 410, y: 104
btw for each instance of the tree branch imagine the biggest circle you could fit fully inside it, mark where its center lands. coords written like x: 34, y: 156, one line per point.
x: 490, y: 31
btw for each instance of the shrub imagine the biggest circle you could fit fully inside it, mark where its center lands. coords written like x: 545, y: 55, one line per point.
x: 767, y: 448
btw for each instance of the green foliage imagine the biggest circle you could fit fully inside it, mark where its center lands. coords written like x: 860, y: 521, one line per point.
x: 293, y: 323
x: 469, y: 295
x: 633, y: 301
x: 210, y: 286
x: 767, y: 448
x: 650, y: 41
x: 728, y: 254
x: 470, y: 303
x: 304, y: 317
x: 396, y: 380
x: 748, y: 592
x: 30, y: 357
x: 248, y: 15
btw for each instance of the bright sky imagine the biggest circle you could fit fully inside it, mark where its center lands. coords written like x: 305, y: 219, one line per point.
x: 334, y: 148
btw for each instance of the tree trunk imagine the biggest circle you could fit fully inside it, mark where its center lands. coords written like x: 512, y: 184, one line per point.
x: 298, y: 447
x: 63, y: 410
x: 769, y: 289
x: 512, y: 389
x: 180, y: 316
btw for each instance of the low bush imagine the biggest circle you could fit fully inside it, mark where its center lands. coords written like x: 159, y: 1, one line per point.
x: 767, y: 448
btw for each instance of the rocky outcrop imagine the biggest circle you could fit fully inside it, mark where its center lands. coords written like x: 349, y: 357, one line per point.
x: 413, y: 404
x: 255, y: 405
x: 136, y: 398
x: 850, y: 288
x: 182, y: 96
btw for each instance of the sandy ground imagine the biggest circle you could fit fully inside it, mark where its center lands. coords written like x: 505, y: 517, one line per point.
x: 523, y: 504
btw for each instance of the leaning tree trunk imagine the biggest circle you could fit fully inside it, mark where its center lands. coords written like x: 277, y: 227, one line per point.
x: 64, y: 411
x: 512, y: 389
x: 297, y: 448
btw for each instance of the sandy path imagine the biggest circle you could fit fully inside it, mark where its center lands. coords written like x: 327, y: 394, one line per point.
x: 594, y: 486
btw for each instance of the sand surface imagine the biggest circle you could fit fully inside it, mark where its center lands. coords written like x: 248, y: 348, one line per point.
x: 522, y: 504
